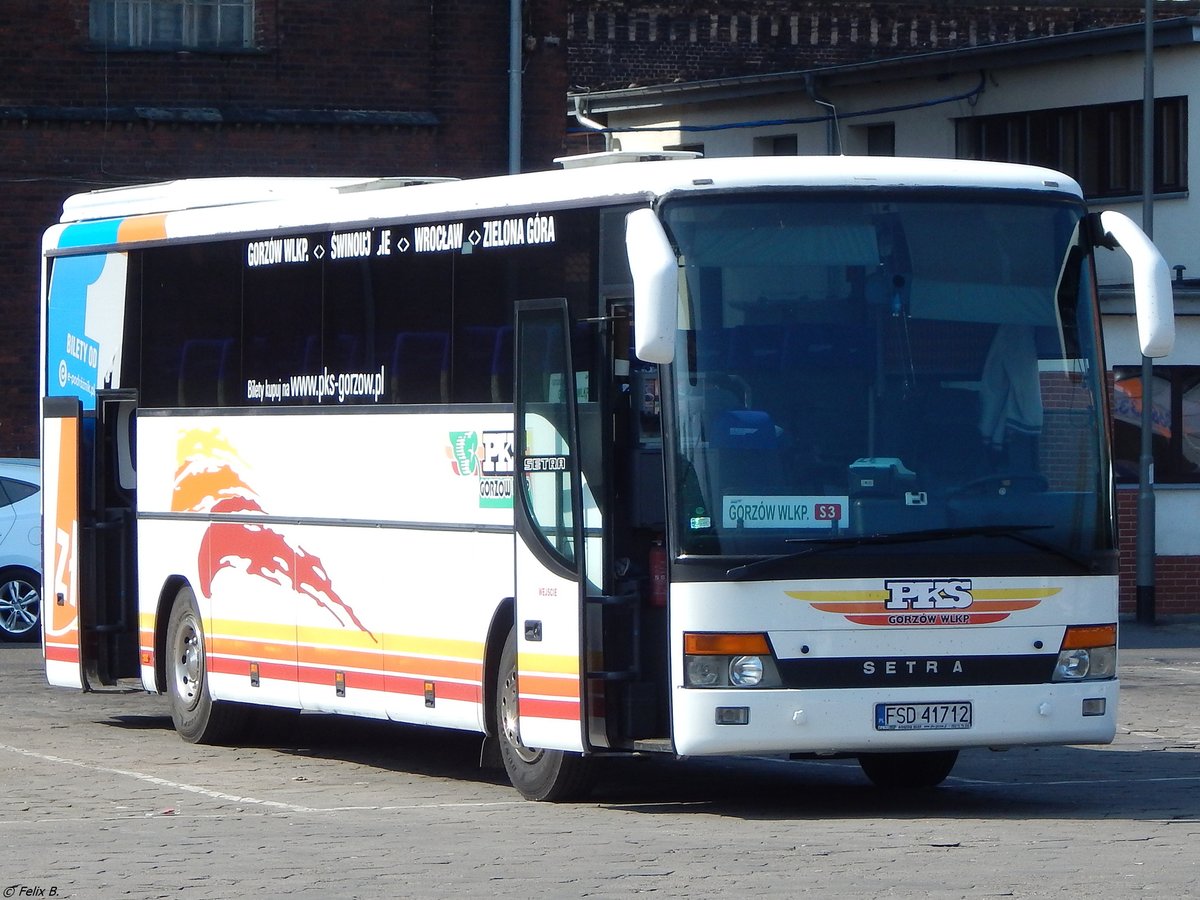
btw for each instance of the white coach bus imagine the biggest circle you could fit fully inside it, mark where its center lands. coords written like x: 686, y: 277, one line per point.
x: 799, y: 456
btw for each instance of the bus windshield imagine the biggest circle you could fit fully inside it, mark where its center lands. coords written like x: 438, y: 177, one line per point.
x: 885, y: 374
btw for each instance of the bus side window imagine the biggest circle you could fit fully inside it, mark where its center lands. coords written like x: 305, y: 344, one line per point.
x: 502, y: 366
x: 420, y: 367
x: 206, y: 372
x: 339, y: 354
x: 474, y: 350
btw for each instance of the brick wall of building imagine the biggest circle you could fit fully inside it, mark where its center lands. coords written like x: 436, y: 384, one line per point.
x: 616, y: 45
x: 1176, y: 578
x: 347, y: 88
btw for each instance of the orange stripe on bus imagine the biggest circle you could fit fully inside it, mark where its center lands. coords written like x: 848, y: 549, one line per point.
x: 142, y: 228
x: 363, y: 681
x: 258, y: 650
x: 976, y: 607
x: 414, y: 665
x: 343, y: 658
x: 551, y: 687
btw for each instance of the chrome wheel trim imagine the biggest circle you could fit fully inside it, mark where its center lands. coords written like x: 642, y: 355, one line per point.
x: 187, y: 662
x: 19, y: 605
x: 510, y: 725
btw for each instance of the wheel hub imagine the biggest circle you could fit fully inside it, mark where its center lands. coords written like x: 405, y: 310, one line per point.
x: 188, y: 664
x: 18, y: 607
x: 510, y: 725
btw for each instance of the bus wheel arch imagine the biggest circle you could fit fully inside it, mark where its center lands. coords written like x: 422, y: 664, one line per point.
x: 502, y: 623
x: 166, y: 599
x: 536, y: 774
x: 198, y: 718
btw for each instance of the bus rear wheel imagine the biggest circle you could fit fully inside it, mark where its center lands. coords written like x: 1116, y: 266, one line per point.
x: 536, y: 774
x: 916, y: 770
x: 197, y: 717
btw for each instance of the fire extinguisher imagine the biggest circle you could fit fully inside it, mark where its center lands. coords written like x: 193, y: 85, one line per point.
x: 658, y: 575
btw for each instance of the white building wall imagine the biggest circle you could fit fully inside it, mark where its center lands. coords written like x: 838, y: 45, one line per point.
x: 929, y: 130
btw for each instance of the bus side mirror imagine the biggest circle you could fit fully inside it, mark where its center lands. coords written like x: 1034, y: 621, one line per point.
x: 1151, y: 284
x: 655, y: 286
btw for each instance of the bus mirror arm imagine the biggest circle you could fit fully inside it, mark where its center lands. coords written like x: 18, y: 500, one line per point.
x: 1151, y: 282
x: 655, y: 286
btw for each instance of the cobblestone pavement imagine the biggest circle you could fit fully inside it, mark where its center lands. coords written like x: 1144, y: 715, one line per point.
x: 99, y: 798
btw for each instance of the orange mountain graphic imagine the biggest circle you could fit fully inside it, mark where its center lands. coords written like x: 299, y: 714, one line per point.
x: 207, y: 481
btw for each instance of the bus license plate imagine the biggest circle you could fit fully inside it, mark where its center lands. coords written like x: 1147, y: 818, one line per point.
x: 922, y: 716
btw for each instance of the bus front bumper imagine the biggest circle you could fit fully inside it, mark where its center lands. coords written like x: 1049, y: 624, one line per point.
x: 712, y: 722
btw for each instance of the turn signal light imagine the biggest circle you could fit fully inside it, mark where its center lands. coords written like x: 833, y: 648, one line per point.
x: 706, y: 644
x: 1079, y: 637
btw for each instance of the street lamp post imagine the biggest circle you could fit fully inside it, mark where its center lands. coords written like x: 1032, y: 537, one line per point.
x: 1145, y: 506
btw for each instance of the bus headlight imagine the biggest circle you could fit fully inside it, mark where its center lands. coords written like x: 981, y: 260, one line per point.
x: 728, y: 660
x: 1088, y: 653
x: 746, y: 671
x: 704, y: 671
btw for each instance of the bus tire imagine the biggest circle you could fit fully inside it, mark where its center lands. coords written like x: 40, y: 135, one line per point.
x: 911, y: 771
x: 536, y: 774
x: 197, y: 717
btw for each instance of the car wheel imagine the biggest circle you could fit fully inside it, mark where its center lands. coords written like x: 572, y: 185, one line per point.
x: 20, y: 605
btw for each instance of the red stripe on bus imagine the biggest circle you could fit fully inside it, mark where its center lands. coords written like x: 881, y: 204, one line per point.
x: 537, y: 708
x: 60, y: 653
x: 928, y: 619
x: 368, y: 681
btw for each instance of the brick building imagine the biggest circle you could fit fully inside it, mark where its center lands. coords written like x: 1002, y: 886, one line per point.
x: 100, y: 93
x: 618, y: 45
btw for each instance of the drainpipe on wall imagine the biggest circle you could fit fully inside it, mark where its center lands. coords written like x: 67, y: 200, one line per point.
x: 833, y: 137
x: 583, y: 119
x: 515, y: 41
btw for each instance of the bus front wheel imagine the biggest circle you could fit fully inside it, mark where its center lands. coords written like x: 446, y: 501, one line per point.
x: 899, y: 771
x: 537, y: 774
x: 197, y: 717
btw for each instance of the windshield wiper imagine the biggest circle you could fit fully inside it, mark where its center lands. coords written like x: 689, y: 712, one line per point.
x: 822, y: 544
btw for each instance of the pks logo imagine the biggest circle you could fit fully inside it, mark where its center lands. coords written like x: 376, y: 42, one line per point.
x: 464, y: 452
x: 487, y: 456
x: 951, y: 594
x: 927, y: 601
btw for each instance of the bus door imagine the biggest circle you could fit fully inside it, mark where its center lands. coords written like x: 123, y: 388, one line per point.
x: 90, y: 600
x: 560, y: 543
x: 62, y: 429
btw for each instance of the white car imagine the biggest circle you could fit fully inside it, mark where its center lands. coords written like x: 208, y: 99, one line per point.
x: 20, y: 550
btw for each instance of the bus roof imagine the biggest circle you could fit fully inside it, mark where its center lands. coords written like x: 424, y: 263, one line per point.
x: 209, y: 208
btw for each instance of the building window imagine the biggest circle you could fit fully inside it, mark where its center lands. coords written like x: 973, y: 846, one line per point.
x: 1176, y: 418
x: 777, y: 145
x: 881, y: 139
x: 173, y: 24
x: 1099, y: 146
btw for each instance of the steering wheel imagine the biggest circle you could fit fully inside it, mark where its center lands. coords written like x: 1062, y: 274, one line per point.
x: 1001, y: 484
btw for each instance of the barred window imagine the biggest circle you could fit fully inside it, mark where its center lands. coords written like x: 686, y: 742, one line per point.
x: 173, y: 24
x: 1099, y: 146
